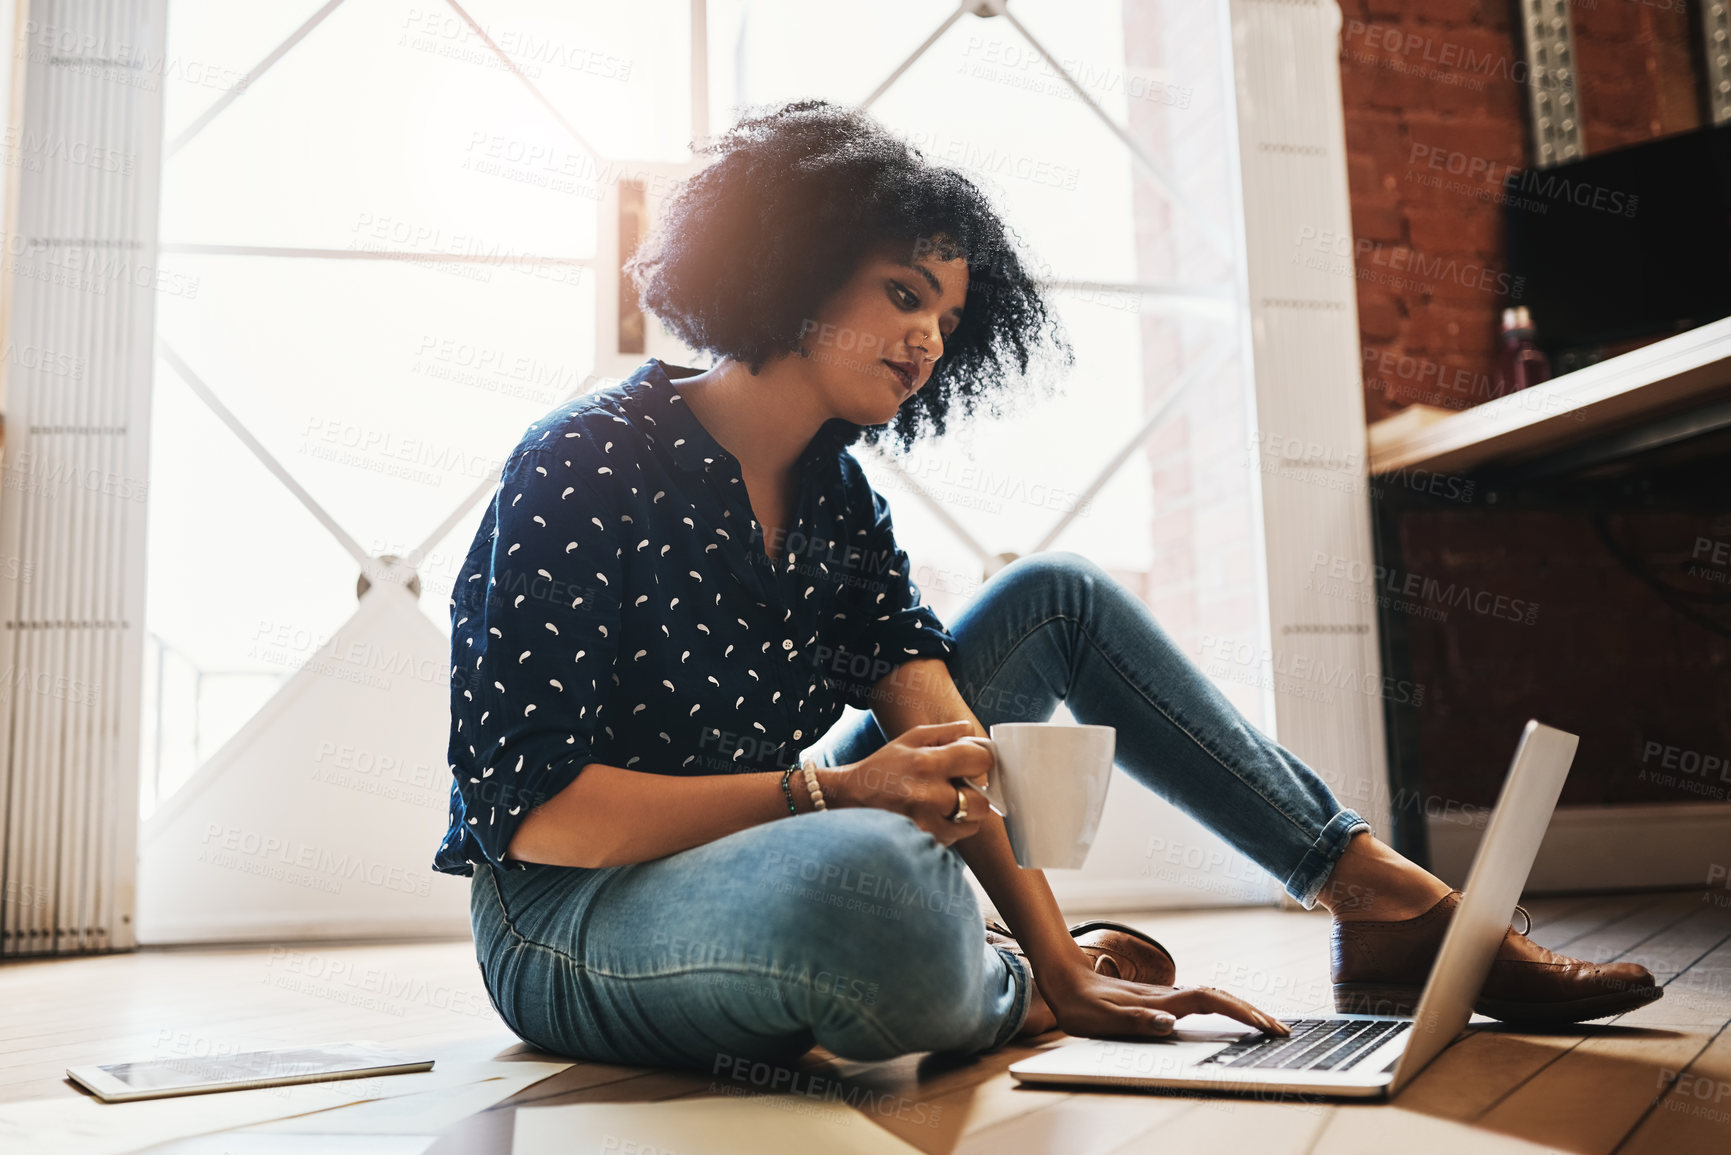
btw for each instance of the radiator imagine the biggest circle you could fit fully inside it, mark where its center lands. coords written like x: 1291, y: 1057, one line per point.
x: 77, y: 320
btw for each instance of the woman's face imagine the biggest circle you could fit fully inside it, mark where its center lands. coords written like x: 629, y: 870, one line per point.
x: 878, y: 338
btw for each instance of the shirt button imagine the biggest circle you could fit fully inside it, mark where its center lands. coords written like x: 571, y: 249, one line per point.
x: 787, y: 643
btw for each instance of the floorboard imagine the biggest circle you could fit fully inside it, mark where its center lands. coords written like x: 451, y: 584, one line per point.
x: 1654, y: 1082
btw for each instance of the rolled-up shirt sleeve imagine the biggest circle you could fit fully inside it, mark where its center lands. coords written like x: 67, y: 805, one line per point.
x: 533, y: 654
x: 888, y: 624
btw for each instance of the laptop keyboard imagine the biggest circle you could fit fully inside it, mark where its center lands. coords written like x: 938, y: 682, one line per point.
x: 1314, y: 1045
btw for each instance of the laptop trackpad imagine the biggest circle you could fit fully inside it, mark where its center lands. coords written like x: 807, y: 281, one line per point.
x: 1196, y: 1038
x: 1209, y: 1029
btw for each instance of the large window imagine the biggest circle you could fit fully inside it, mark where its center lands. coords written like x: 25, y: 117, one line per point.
x: 386, y: 237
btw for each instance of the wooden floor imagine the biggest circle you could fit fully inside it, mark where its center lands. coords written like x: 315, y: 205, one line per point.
x: 1654, y: 1082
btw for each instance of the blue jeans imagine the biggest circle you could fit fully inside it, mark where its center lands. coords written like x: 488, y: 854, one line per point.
x: 855, y: 929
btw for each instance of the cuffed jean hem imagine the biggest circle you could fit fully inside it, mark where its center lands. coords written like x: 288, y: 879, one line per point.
x: 1024, y: 980
x: 1307, y: 881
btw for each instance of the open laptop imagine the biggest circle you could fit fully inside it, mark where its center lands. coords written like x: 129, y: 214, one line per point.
x: 1353, y: 1056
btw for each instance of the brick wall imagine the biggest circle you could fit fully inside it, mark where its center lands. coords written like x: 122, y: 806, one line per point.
x: 1423, y: 85
x: 1435, y: 107
x: 1511, y: 618
x: 1637, y: 71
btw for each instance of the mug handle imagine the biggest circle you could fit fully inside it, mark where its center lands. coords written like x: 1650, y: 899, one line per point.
x: 992, y: 790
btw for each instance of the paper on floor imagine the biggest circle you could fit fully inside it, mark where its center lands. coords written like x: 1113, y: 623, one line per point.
x: 427, y: 1113
x: 77, y: 1124
x: 755, y: 1125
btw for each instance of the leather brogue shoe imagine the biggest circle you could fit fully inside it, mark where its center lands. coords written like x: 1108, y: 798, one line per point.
x: 1380, y: 968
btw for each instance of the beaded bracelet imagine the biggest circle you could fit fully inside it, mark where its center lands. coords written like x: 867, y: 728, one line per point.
x: 817, y: 799
x: 788, y: 790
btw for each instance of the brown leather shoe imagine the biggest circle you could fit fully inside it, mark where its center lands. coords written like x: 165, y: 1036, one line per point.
x: 1380, y: 968
x: 1114, y: 949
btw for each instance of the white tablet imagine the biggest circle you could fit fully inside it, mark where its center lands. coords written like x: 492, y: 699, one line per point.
x: 195, y: 1075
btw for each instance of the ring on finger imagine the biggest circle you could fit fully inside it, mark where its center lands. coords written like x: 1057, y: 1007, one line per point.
x: 960, y: 813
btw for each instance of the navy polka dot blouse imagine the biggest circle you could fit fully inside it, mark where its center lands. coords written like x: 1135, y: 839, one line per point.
x: 617, y: 605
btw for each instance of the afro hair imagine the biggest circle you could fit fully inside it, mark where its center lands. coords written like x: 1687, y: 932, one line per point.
x: 750, y: 246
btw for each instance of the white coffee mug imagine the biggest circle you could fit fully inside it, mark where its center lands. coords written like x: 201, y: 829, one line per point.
x: 1049, y: 781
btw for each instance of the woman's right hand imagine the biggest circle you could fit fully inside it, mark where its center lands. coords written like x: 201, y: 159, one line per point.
x: 913, y: 776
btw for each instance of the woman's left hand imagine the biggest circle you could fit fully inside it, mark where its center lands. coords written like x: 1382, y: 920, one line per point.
x: 1091, y: 1005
